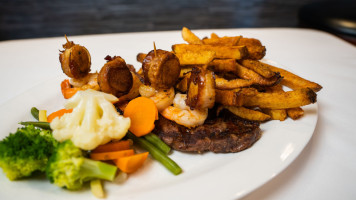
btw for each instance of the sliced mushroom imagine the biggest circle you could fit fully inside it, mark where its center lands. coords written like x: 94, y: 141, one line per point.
x: 161, y: 69
x: 115, y: 77
x: 75, y: 60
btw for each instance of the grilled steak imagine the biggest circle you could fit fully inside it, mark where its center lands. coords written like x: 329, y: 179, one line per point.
x: 223, y: 134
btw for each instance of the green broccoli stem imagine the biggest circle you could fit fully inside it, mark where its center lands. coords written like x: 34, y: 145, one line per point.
x: 156, y: 153
x: 156, y: 141
x: 91, y: 169
x: 35, y: 112
x: 43, y: 125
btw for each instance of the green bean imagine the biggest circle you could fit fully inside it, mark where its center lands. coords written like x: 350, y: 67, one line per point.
x: 156, y: 141
x: 156, y: 153
x: 43, y: 125
x: 35, y: 112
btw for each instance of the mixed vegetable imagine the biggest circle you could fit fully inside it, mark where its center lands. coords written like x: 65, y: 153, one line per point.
x: 87, y: 141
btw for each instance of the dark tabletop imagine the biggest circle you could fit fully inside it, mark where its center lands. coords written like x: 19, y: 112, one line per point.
x: 40, y: 18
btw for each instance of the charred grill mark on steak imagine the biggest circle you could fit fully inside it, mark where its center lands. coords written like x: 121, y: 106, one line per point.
x: 223, y: 134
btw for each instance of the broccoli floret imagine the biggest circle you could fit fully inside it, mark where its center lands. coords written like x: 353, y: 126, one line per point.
x: 26, y: 151
x: 68, y: 167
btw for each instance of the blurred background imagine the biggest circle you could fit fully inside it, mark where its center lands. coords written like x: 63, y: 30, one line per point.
x: 20, y: 19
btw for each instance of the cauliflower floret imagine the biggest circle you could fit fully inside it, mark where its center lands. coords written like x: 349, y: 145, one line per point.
x: 93, y: 121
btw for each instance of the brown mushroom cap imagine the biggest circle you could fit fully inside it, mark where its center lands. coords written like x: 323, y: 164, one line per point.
x: 115, y: 77
x: 161, y: 69
x: 75, y: 61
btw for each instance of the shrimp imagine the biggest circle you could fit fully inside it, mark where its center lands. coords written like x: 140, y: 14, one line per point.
x: 182, y: 114
x: 162, y: 98
x: 90, y: 81
x: 201, y: 89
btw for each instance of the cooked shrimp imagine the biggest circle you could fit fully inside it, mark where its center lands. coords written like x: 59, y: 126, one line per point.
x: 89, y: 81
x: 182, y: 114
x: 201, y: 89
x: 162, y: 98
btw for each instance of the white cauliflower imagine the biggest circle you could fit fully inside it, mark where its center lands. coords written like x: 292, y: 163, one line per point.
x: 93, y: 121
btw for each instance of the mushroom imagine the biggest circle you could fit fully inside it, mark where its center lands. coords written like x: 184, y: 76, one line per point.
x: 115, y: 77
x: 75, y: 60
x: 161, y: 69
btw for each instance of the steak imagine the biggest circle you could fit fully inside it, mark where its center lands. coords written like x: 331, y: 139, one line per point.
x: 224, y: 134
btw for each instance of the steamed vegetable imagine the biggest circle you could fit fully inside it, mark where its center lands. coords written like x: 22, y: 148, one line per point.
x: 93, y: 121
x: 130, y: 164
x: 156, y: 154
x: 143, y: 112
x: 68, y: 167
x: 157, y: 142
x: 26, y: 151
x: 58, y: 113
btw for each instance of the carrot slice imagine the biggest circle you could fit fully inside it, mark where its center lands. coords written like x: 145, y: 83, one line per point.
x: 130, y: 164
x: 143, y: 112
x: 113, y: 146
x: 58, y: 113
x: 67, y: 90
x: 112, y: 155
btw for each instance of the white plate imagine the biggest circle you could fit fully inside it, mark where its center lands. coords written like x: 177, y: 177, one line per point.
x: 205, y: 176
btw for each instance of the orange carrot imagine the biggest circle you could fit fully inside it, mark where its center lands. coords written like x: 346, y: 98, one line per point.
x: 112, y: 155
x: 130, y: 164
x: 143, y: 113
x: 67, y: 90
x: 58, y: 113
x: 113, y: 146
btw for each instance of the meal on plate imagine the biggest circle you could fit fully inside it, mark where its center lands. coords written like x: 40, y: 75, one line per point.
x: 210, y: 94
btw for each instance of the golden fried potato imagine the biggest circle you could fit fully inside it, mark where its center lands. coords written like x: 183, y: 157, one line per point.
x: 276, y: 114
x: 190, y: 37
x: 293, y: 81
x: 224, y: 84
x: 249, y: 114
x: 248, y: 74
x: 235, y: 52
x: 258, y: 67
x: 223, y: 41
x: 195, y: 57
x: 281, y: 100
x: 295, y: 113
x: 233, y: 97
x: 254, y: 47
x: 223, y: 65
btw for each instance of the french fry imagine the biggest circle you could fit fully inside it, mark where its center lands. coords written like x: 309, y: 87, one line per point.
x: 295, y: 113
x: 248, y: 74
x: 190, y: 37
x: 235, y: 52
x: 258, y: 67
x: 184, y: 71
x: 281, y: 100
x: 224, y: 84
x: 276, y: 114
x: 254, y: 47
x: 213, y: 35
x: 182, y: 86
x: 293, y: 81
x: 233, y: 97
x: 195, y: 57
x: 224, y: 41
x: 223, y: 65
x: 249, y: 114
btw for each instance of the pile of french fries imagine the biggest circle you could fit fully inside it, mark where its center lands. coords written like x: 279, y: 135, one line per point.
x: 246, y: 86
